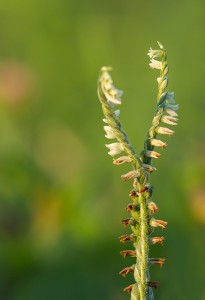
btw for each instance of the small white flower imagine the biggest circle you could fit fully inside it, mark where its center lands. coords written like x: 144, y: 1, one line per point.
x: 121, y: 160
x: 155, y: 64
x: 109, y: 132
x: 115, y: 148
x: 110, y: 98
x: 164, y: 130
x: 130, y: 175
x: 154, y: 53
x: 158, y: 143
x: 169, y: 120
x: 172, y: 112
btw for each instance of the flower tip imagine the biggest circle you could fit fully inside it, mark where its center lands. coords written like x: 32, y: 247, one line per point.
x: 160, y: 45
x: 106, y: 69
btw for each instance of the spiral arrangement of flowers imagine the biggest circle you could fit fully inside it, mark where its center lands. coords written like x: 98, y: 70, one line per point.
x: 142, y: 208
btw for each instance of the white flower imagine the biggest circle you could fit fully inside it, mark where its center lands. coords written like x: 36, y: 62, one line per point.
x: 109, y: 132
x: 115, y: 148
x: 169, y: 120
x: 155, y: 64
x: 121, y: 160
x: 154, y: 53
x: 158, y: 143
x: 172, y: 112
x: 164, y: 130
x: 130, y: 175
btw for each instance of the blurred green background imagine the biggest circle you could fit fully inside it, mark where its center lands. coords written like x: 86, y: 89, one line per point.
x: 61, y: 198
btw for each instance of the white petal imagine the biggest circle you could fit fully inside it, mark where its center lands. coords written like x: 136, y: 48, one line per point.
x: 172, y: 112
x: 109, y: 132
x: 115, y: 148
x: 155, y: 64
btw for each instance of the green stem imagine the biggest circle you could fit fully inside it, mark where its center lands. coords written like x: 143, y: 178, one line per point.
x: 143, y: 246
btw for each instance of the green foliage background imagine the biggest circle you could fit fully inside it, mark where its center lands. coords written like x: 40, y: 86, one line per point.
x: 61, y: 198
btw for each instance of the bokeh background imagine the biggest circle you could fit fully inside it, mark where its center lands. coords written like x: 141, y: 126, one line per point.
x: 61, y: 198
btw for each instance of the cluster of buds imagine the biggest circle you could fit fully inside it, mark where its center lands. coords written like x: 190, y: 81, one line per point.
x: 142, y: 208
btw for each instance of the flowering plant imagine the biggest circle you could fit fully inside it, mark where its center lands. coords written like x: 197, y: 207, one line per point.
x: 142, y: 207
